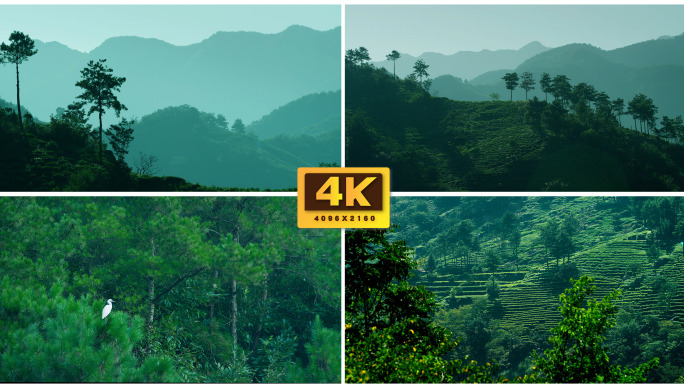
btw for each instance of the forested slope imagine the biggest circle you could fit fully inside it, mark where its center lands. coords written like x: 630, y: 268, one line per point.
x: 164, y: 150
x: 436, y: 144
x: 498, y: 265
x: 200, y: 147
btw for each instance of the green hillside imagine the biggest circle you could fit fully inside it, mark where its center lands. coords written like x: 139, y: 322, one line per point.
x: 199, y: 147
x: 175, y: 149
x: 631, y: 244
x: 309, y: 115
x: 437, y: 144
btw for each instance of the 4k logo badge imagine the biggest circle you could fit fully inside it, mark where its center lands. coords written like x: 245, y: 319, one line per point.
x: 343, y: 197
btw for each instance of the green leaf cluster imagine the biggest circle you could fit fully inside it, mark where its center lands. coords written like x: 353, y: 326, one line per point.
x: 578, y: 353
x: 390, y: 335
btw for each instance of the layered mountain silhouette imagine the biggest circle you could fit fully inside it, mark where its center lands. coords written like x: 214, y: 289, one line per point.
x: 654, y: 67
x: 465, y: 64
x: 242, y: 75
x: 200, y: 147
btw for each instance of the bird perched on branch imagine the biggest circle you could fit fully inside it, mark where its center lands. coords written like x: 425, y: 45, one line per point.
x: 107, y: 308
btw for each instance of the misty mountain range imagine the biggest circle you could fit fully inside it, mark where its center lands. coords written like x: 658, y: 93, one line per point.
x: 654, y: 68
x: 242, y: 75
x: 465, y: 64
x: 285, y: 87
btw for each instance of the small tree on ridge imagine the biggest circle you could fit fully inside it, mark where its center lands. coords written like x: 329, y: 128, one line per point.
x: 511, y: 80
x: 527, y: 82
x: 394, y: 56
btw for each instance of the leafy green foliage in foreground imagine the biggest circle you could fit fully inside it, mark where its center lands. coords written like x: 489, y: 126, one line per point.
x: 390, y: 340
x: 390, y: 336
x: 578, y: 353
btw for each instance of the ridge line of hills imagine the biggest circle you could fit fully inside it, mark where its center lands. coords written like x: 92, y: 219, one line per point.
x: 229, y: 73
x: 289, y: 29
x: 506, y: 58
x: 441, y: 144
x: 653, y: 67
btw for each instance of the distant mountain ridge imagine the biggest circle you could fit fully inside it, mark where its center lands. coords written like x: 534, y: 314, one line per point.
x: 238, y: 74
x: 664, y: 50
x: 653, y: 67
x: 465, y: 64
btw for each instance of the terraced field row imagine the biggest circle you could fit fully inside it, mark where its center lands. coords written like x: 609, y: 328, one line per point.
x: 476, y: 286
x: 532, y: 305
x: 675, y: 272
x: 535, y: 303
x: 614, y: 260
x: 531, y: 300
x: 668, y: 302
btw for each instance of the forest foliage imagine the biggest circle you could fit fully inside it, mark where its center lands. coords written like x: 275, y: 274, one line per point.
x: 577, y: 141
x: 497, y: 266
x: 63, y: 155
x: 204, y: 289
x: 391, y: 335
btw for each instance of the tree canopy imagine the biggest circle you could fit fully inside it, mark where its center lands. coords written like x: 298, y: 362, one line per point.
x: 393, y: 57
x: 205, y: 289
x: 511, y: 79
x: 390, y: 336
x: 578, y: 354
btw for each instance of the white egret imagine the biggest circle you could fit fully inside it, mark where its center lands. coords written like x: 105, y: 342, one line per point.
x: 107, y: 308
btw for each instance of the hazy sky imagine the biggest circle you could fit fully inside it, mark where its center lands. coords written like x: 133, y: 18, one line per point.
x: 84, y: 27
x: 415, y: 29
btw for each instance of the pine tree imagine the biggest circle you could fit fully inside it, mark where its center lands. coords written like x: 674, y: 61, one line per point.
x: 120, y: 136
x: 21, y: 47
x: 546, y: 85
x: 394, y: 56
x: 99, y: 85
x: 511, y: 80
x: 48, y: 337
x: 420, y: 71
x: 527, y: 82
x: 324, y: 360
